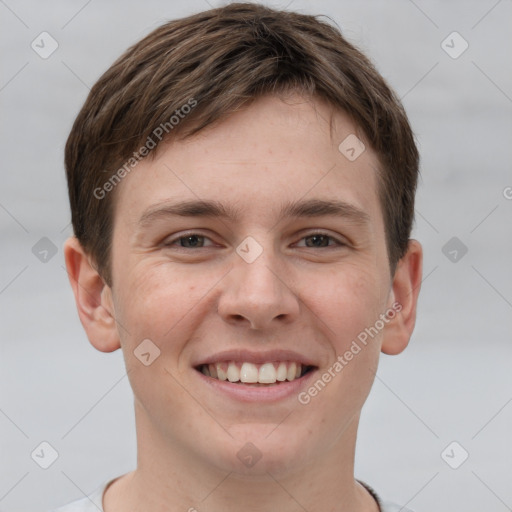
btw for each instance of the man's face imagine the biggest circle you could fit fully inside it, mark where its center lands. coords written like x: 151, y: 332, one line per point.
x: 264, y: 287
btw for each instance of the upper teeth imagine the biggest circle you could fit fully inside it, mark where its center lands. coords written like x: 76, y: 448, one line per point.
x: 267, y: 373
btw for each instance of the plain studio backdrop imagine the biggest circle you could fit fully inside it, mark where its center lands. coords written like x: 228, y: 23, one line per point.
x: 435, y: 431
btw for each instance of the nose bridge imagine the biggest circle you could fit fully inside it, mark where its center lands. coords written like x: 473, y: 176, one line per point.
x: 257, y: 289
x: 256, y: 268
x: 260, y: 276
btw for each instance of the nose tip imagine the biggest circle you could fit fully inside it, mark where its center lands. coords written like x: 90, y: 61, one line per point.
x: 255, y: 294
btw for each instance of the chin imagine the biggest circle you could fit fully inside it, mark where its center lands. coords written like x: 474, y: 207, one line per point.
x: 257, y: 450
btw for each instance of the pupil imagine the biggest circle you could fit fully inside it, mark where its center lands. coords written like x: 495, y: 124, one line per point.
x: 192, y: 237
x: 316, y: 238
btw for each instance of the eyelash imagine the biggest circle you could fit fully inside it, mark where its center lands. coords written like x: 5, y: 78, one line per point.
x: 171, y: 242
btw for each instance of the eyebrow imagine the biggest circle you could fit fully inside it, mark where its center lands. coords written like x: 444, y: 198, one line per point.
x: 215, y: 209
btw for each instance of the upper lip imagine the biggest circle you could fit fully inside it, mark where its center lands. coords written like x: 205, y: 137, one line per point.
x: 251, y: 356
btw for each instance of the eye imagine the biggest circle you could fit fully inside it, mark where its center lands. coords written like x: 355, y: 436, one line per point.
x: 197, y: 240
x: 321, y: 240
x: 188, y: 241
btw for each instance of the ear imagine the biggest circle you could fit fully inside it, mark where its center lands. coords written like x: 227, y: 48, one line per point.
x: 93, y: 298
x: 404, y: 294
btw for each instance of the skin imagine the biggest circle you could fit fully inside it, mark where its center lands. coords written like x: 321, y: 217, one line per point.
x: 198, y: 300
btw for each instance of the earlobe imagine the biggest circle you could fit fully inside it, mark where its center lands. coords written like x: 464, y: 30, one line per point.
x: 404, y: 296
x: 93, y: 298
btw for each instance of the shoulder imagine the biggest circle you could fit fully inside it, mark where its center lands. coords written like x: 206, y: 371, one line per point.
x: 384, y: 506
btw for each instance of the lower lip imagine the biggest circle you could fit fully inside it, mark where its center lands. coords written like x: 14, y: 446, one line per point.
x: 269, y: 393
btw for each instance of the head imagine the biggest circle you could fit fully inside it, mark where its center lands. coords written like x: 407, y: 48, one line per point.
x: 245, y: 111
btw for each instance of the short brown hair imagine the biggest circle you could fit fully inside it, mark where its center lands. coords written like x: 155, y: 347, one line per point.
x: 223, y: 59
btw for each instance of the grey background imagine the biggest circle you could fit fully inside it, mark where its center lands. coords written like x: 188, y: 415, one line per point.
x: 453, y: 383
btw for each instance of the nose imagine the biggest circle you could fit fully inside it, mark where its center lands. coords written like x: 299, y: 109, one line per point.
x: 258, y: 294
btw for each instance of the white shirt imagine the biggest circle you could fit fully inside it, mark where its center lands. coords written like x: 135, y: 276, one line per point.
x: 94, y: 502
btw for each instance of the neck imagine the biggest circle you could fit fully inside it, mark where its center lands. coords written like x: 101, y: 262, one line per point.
x: 170, y: 478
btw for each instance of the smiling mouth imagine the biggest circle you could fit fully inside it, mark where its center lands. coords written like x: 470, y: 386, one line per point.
x: 266, y: 374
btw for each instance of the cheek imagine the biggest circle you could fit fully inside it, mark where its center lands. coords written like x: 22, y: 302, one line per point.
x: 158, y: 305
x: 160, y: 301
x: 348, y: 302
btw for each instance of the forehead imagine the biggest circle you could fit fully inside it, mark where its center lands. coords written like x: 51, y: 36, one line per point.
x: 258, y: 162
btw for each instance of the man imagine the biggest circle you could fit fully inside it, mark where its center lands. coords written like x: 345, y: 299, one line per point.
x: 242, y: 190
